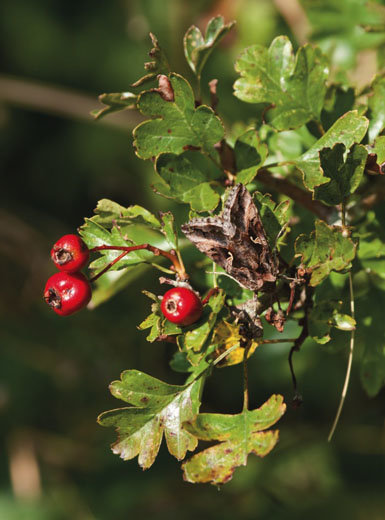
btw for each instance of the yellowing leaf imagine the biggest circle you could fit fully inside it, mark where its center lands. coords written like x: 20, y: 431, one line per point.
x: 239, y: 435
x: 226, y: 335
x: 157, y: 408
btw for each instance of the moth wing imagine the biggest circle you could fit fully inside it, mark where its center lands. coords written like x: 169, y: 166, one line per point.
x: 207, y: 234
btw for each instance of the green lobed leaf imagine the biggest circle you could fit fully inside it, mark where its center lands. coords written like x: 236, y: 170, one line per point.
x: 326, y: 249
x: 156, y: 408
x: 193, y: 342
x: 156, y: 321
x: 348, y: 129
x: 179, y: 362
x: 338, y: 101
x: 96, y: 235
x: 344, y: 175
x: 294, y: 87
x: 274, y: 216
x: 115, y: 102
x: 186, y: 178
x: 379, y: 149
x: 177, y: 125
x: 168, y: 228
x: 239, y: 435
x: 250, y: 154
x: 376, y: 105
x: 158, y: 65
x: 110, y: 213
x: 197, y: 48
x: 152, y: 322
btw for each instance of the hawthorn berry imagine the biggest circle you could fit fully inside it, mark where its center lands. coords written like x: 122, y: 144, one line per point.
x: 67, y: 293
x: 181, y: 306
x: 70, y: 253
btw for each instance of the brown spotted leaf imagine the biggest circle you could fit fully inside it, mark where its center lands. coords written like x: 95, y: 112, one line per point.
x: 174, y: 124
x: 157, y: 408
x: 326, y: 249
x: 158, y: 65
x: 239, y: 435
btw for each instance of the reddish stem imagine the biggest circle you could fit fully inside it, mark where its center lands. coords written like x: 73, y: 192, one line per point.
x: 212, y: 291
x: 127, y: 249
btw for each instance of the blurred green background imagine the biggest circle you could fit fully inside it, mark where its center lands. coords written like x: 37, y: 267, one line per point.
x: 56, y: 162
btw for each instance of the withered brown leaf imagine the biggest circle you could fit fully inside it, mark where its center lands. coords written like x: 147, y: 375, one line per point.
x: 236, y: 241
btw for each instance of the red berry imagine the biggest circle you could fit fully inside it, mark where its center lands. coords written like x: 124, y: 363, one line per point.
x: 70, y: 253
x: 181, y: 306
x: 67, y: 293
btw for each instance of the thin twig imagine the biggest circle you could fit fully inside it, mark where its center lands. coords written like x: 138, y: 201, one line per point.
x: 295, y: 348
x: 212, y: 292
x: 302, y: 197
x: 108, y: 267
x: 273, y: 341
x: 224, y: 354
x: 319, y: 126
x: 349, y: 366
x: 351, y: 346
x: 246, y: 376
x: 297, y: 399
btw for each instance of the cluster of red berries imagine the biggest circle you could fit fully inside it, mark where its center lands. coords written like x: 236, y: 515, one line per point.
x: 68, y: 290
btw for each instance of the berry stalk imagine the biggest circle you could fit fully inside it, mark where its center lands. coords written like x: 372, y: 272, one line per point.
x: 170, y: 255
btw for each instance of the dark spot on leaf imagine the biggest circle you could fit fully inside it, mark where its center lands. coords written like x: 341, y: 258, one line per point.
x: 228, y: 450
x: 165, y: 89
x: 171, y: 169
x: 144, y: 399
x: 191, y: 147
x: 169, y: 131
x: 228, y: 477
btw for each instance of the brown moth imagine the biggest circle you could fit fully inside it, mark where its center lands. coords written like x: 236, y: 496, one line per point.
x: 236, y: 241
